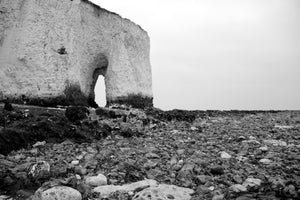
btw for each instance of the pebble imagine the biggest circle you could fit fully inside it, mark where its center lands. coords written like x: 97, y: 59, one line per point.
x: 264, y: 148
x: 238, y: 188
x: 217, y: 170
x: 80, y: 170
x: 96, y: 181
x: 38, y: 144
x: 194, y: 128
x: 225, y: 155
x: 75, y: 162
x: 218, y: 197
x: 252, y: 182
x: 265, y: 161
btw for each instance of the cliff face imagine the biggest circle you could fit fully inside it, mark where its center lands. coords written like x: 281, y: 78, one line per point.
x: 53, y: 51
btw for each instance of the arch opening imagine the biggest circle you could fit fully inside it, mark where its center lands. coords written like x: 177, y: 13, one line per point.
x: 97, y: 95
x: 100, y: 91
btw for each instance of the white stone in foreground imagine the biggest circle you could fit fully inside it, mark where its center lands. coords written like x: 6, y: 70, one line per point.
x: 106, y: 190
x: 57, y: 193
x: 164, y: 192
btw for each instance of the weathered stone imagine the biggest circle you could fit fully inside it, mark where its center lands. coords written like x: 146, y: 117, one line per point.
x: 95, y: 181
x: 52, y: 52
x: 57, y: 193
x: 106, y: 190
x: 164, y: 192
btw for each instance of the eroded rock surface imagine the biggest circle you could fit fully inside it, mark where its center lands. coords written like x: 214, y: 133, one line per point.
x: 52, y: 52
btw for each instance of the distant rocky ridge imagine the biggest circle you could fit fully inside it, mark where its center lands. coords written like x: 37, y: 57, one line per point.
x: 52, y: 52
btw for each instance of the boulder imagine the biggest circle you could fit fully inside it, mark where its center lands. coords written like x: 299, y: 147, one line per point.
x: 164, y: 192
x: 107, y: 190
x: 57, y: 193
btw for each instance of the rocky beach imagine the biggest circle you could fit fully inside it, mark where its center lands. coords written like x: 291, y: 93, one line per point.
x: 125, y: 153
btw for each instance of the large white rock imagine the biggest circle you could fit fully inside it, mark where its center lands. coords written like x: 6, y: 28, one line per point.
x: 106, y: 190
x: 57, y: 193
x: 164, y: 192
x: 57, y: 49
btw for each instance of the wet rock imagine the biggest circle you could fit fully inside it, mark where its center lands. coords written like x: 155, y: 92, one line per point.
x: 107, y: 190
x: 164, y: 192
x: 57, y: 193
x: 95, y: 181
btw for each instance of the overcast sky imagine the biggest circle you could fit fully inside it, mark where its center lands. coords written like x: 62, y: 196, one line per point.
x: 220, y: 54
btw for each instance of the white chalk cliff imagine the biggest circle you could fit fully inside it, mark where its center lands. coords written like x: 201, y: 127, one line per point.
x: 54, y: 50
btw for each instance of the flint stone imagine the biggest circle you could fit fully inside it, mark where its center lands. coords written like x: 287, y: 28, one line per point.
x: 106, y: 190
x: 164, y: 192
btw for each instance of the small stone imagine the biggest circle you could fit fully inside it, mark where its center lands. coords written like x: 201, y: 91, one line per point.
x: 80, y: 170
x: 39, y: 168
x: 238, y: 179
x: 152, y: 156
x: 217, y: 170
x: 79, y: 157
x: 75, y: 162
x: 218, y: 197
x: 180, y: 151
x: 263, y: 149
x: 252, y: 138
x: 78, y: 177
x: 225, y: 155
x: 194, y: 128
x: 211, y: 188
x: 252, y: 182
x: 38, y: 144
x: 241, y: 158
x: 238, y: 188
x: 202, y: 179
x: 96, y: 181
x: 265, y: 161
